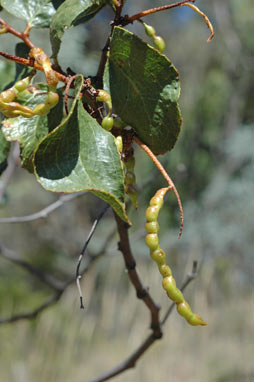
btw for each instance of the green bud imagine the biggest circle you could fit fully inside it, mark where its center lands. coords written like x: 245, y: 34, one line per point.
x: 21, y: 85
x: 159, y: 43
x: 119, y: 143
x: 52, y: 99
x: 150, y: 31
x: 107, y: 123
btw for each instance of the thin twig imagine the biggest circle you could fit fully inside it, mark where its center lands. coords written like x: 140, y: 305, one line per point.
x: 42, y: 214
x: 131, y: 361
x: 8, y: 173
x: 83, y: 250
x: 22, y: 35
x: 42, y: 276
x: 130, y: 19
x: 166, y: 177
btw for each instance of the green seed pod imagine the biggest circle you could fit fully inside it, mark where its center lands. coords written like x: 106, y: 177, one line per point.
x: 103, y: 96
x: 159, y: 43
x: 196, y: 320
x: 8, y: 95
x: 152, y: 241
x: 152, y: 213
x: 150, y: 31
x: 52, y: 99
x: 165, y: 270
x: 119, y: 143
x: 175, y: 295
x: 133, y: 195
x: 184, y: 310
x: 21, y: 85
x: 107, y: 123
x: 156, y: 201
x: 41, y: 109
x: 168, y: 283
x: 152, y: 227
x: 158, y: 256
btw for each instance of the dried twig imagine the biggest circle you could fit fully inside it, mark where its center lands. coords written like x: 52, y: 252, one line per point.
x: 82, y: 253
x: 42, y: 214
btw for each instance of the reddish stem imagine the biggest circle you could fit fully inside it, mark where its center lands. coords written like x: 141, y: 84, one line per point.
x: 130, y: 19
x: 22, y: 35
x: 166, y: 177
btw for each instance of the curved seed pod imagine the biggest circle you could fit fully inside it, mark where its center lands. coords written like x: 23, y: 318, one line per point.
x: 158, y: 255
x: 104, y: 96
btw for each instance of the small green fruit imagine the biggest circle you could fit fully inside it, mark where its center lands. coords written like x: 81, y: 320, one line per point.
x: 150, y: 31
x: 159, y: 43
x: 107, y: 123
x: 152, y: 241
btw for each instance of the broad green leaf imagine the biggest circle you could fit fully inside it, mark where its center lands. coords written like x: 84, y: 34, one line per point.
x: 69, y: 13
x: 145, y: 89
x: 4, y: 151
x: 28, y: 131
x: 80, y: 155
x: 37, y: 13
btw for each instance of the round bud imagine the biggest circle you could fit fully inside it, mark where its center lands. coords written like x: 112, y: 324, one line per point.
x: 107, y: 123
x: 165, y: 270
x: 159, y: 43
x: 152, y: 227
x: 150, y: 31
x: 152, y: 241
x: 52, y: 99
x: 152, y: 213
x: 158, y: 256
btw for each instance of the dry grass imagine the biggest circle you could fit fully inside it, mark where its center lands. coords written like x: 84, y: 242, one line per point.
x: 67, y: 344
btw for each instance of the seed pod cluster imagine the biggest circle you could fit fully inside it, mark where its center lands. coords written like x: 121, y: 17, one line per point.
x: 158, y: 255
x: 107, y: 122
x: 158, y: 40
x: 130, y: 180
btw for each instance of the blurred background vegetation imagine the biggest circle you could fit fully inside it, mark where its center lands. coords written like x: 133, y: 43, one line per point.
x: 212, y: 166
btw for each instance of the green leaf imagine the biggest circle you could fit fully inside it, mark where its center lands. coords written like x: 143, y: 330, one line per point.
x: 80, y: 155
x: 4, y: 151
x: 37, y: 13
x: 145, y: 89
x: 69, y: 13
x: 28, y: 131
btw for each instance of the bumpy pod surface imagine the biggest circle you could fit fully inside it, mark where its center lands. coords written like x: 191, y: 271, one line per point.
x: 158, y: 255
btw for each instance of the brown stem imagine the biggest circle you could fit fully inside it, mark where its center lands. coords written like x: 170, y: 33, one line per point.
x: 22, y: 35
x: 142, y: 293
x: 130, y: 19
x: 166, y: 177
